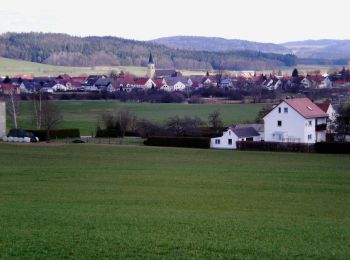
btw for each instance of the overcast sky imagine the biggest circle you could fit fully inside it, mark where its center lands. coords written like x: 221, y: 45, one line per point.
x: 257, y: 20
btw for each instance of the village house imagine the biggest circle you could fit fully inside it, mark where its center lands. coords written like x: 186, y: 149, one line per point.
x: 232, y: 135
x: 296, y: 120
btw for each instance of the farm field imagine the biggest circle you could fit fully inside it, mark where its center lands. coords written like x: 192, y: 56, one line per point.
x: 108, y: 201
x: 84, y: 114
x: 13, y: 67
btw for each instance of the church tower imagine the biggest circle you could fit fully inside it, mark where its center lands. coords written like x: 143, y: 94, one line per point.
x: 151, y: 68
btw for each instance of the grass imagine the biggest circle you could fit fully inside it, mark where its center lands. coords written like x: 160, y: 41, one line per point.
x: 84, y: 114
x: 13, y: 67
x: 107, y: 201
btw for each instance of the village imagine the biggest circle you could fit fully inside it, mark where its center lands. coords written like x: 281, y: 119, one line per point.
x: 257, y: 87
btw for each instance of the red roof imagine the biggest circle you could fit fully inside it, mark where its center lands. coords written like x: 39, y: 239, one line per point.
x: 141, y: 81
x: 324, y: 106
x: 306, y: 107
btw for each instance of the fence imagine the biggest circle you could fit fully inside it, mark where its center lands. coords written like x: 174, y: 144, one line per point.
x: 94, y: 140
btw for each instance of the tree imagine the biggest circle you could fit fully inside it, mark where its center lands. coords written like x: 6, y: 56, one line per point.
x: 183, y: 126
x: 261, y: 114
x: 118, y: 122
x: 37, y: 109
x: 343, y: 122
x: 13, y: 106
x: 295, y: 73
x: 215, y: 120
x: 51, y: 117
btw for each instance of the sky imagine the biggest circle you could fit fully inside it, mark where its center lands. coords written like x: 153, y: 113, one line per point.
x: 274, y: 21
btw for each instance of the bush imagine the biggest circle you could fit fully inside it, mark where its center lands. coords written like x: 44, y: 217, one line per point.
x: 274, y: 146
x: 332, y: 147
x: 189, y: 142
x: 57, y: 133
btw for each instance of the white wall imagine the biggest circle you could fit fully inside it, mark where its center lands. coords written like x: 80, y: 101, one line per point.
x: 224, y: 140
x: 295, y: 128
x: 2, y: 119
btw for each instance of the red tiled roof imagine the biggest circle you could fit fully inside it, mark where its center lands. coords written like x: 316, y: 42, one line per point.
x: 305, y: 107
x: 323, y: 106
x: 141, y: 81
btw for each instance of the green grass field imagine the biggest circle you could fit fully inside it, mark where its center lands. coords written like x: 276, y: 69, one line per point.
x: 84, y: 114
x: 107, y: 201
x: 13, y: 67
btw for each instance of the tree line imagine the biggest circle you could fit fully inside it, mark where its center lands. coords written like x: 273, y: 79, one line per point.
x: 66, y: 50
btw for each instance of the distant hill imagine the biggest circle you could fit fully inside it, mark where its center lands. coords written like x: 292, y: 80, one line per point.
x: 320, y: 49
x: 218, y: 44
x: 66, y: 50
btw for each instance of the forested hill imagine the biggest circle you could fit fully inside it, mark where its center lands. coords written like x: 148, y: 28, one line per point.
x: 62, y: 49
x: 219, y: 44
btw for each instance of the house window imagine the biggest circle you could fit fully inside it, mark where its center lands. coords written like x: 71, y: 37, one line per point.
x: 285, y: 110
x: 217, y: 141
x: 310, y: 123
x: 309, y: 137
x: 279, y: 110
x: 229, y: 141
x: 279, y: 123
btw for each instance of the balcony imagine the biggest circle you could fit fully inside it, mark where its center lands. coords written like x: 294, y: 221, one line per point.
x: 321, y: 127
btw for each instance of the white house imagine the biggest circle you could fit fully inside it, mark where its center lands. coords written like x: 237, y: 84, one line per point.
x: 332, y: 115
x: 296, y: 120
x: 232, y: 135
x: 326, y: 83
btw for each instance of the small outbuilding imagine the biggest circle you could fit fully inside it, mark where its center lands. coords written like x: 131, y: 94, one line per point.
x: 232, y: 135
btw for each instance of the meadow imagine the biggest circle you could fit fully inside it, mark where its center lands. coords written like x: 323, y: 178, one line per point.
x: 13, y: 67
x: 84, y: 114
x: 85, y: 201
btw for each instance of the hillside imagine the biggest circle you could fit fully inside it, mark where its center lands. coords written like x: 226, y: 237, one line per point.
x: 66, y: 50
x: 217, y: 44
x: 12, y: 67
x: 320, y: 49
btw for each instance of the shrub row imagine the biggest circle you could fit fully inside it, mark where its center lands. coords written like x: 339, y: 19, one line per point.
x: 274, y: 146
x: 57, y: 133
x: 332, y: 148
x: 193, y: 142
x: 113, y: 133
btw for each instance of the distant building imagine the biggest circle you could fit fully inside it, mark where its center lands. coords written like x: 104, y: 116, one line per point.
x: 151, y: 67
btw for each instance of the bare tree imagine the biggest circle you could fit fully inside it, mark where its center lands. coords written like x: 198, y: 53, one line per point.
x: 13, y: 106
x: 51, y: 117
x: 37, y: 110
x: 215, y: 120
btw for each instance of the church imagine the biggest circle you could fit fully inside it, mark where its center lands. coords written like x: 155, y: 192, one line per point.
x: 153, y: 73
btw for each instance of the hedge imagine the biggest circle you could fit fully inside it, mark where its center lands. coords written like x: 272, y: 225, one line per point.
x: 332, y: 147
x: 274, y: 146
x: 189, y: 142
x: 57, y: 133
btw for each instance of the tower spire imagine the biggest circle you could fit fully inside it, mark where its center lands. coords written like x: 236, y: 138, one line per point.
x: 150, y: 60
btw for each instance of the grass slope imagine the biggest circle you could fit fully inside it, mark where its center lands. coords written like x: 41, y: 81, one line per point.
x: 13, y: 67
x: 89, y: 201
x: 84, y: 114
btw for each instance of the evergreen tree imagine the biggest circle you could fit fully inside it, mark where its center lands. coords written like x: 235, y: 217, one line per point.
x: 295, y: 73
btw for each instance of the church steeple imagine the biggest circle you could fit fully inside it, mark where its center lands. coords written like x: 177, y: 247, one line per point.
x: 151, y: 68
x: 150, y: 59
